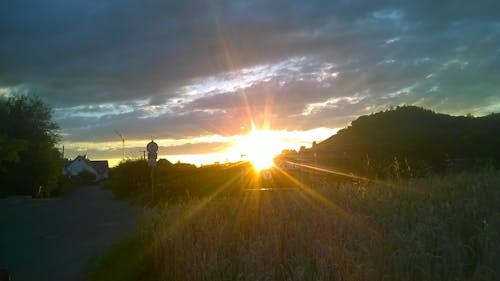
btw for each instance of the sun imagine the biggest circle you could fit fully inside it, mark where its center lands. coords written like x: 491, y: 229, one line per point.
x: 260, y: 148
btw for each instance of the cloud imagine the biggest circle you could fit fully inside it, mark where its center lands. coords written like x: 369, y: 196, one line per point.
x: 180, y: 69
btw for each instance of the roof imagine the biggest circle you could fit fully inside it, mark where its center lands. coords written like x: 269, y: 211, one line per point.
x: 100, y: 166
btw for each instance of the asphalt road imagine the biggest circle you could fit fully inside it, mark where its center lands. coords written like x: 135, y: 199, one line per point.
x: 53, y: 239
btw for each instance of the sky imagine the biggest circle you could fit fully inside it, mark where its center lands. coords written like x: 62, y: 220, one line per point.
x: 197, y: 76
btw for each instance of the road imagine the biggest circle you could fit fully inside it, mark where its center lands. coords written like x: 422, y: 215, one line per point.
x: 53, y: 239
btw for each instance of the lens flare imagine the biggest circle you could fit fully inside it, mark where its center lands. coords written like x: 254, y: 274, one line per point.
x: 260, y: 148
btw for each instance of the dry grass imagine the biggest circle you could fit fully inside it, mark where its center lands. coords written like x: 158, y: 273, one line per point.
x: 440, y: 228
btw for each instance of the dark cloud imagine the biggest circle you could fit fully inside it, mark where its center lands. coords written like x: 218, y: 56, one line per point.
x: 126, y: 65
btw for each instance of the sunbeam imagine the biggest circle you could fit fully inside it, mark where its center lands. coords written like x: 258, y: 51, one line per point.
x: 315, y: 195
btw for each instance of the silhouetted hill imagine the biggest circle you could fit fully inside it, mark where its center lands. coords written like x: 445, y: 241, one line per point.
x: 413, y: 139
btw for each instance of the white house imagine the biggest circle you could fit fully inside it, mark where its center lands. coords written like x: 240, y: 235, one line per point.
x: 81, y: 163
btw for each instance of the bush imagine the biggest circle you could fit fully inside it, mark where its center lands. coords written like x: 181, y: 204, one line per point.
x: 132, y: 180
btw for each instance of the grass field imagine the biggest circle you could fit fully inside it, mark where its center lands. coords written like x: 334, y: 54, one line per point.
x: 436, y: 228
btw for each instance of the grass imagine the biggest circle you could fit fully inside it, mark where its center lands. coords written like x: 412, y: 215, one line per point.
x: 126, y: 261
x: 436, y: 228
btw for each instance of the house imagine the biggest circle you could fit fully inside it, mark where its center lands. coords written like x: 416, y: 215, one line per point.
x: 81, y: 163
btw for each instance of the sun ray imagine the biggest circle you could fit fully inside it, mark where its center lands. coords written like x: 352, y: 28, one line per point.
x: 191, y: 212
x: 337, y: 209
x: 355, y: 177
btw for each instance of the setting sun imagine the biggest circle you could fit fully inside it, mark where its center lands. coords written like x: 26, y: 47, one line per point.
x: 260, y: 147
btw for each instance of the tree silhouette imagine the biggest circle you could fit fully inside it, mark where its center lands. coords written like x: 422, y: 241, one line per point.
x: 28, y: 157
x: 415, y: 140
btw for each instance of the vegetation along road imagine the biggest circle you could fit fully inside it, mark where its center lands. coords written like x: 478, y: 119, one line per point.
x: 53, y: 239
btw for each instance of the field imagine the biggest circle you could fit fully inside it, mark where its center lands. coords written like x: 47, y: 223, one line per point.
x: 435, y: 228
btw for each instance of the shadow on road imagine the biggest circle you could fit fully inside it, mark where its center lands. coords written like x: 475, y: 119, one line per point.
x: 53, y: 239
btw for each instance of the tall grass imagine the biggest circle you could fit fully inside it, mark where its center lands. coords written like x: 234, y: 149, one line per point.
x: 437, y: 228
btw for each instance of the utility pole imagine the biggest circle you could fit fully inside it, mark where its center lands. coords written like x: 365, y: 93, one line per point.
x: 123, y: 144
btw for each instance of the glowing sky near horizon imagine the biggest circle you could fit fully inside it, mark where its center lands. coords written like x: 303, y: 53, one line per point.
x: 195, y: 75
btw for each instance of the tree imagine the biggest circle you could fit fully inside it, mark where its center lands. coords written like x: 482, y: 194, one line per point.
x: 413, y: 141
x: 28, y: 156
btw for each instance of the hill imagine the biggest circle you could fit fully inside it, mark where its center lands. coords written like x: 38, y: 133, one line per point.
x: 412, y: 140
